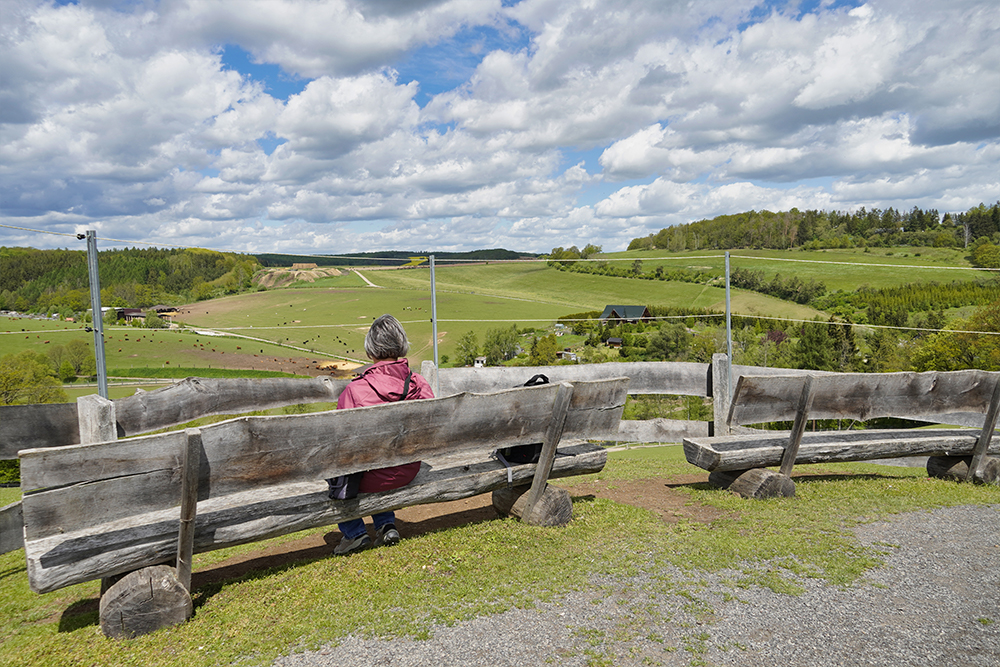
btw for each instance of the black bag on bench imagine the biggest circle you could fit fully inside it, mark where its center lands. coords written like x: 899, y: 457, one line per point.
x: 525, y: 453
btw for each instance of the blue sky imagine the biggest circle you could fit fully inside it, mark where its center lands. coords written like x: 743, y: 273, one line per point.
x: 286, y: 125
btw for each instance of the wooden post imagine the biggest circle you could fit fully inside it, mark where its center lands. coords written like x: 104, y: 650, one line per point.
x: 552, y: 437
x: 96, y: 416
x: 978, y: 462
x: 721, y: 394
x: 191, y: 468
x: 798, y: 427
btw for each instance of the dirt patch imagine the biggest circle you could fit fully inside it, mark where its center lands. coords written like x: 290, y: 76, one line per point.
x: 284, y: 277
x: 658, y: 495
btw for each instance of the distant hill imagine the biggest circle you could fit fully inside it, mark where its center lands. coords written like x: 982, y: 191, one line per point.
x: 388, y: 257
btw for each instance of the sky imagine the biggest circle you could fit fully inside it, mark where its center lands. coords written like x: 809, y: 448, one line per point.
x: 334, y: 126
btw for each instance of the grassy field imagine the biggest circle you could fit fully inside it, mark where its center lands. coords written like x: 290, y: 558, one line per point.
x: 487, y: 567
x: 845, y: 269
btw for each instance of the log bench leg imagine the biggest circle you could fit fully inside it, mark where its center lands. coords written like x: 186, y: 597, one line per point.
x: 554, y: 508
x: 144, y: 601
x: 956, y: 468
x: 756, y: 483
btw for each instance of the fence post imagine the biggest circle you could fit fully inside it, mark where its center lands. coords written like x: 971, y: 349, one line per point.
x: 721, y: 394
x: 96, y: 416
x: 430, y: 372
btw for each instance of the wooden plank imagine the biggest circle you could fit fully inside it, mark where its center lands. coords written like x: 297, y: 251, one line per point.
x: 596, y: 408
x: 645, y: 377
x: 983, y: 444
x: 862, y: 396
x: 88, y: 485
x: 798, y: 428
x: 739, y: 452
x: 11, y: 528
x: 553, y: 435
x: 190, y: 469
x: 199, y: 397
x: 30, y: 426
x: 721, y: 394
x: 254, y: 451
x: 126, y: 544
x: 660, y: 430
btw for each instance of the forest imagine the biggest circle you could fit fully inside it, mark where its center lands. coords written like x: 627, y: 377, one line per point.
x: 813, y: 230
x: 56, y: 281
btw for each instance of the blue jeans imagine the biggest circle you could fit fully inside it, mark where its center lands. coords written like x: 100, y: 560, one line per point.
x: 355, y: 528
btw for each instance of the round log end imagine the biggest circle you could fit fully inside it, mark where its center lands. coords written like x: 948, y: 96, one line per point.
x: 723, y: 479
x: 504, y: 499
x: 144, y: 601
x: 990, y: 472
x: 554, y: 508
x: 759, y: 483
x: 955, y: 468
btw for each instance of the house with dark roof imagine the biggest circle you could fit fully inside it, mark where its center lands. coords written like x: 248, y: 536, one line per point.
x: 630, y: 314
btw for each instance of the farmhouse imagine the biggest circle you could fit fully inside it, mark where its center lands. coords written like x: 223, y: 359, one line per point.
x: 630, y: 314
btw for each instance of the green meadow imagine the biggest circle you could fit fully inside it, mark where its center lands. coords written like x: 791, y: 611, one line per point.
x: 843, y: 269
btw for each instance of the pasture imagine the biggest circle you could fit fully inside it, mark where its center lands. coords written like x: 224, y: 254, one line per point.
x: 838, y: 269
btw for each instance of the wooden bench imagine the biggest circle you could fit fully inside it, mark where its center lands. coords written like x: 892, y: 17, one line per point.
x: 93, y: 511
x: 961, y: 398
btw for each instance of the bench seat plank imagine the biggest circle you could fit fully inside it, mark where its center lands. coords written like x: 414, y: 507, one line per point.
x: 742, y: 452
x: 127, y: 543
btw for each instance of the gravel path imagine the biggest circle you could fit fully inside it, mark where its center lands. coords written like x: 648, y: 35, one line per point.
x: 936, y: 601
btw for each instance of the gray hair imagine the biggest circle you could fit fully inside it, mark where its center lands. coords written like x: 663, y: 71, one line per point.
x: 386, y: 339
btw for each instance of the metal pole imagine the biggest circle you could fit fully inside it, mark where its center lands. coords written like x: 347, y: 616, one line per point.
x: 729, y: 331
x: 95, y: 305
x: 434, y: 330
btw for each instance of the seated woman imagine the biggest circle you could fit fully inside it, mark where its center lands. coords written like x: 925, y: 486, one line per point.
x: 389, y: 379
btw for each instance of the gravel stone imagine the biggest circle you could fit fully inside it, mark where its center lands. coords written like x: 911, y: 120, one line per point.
x: 935, y: 601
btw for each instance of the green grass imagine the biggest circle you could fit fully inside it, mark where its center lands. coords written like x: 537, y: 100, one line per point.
x: 488, y: 567
x: 178, y: 372
x: 845, y: 269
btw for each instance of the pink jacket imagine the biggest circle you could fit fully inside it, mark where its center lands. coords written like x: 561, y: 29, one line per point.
x: 383, y: 383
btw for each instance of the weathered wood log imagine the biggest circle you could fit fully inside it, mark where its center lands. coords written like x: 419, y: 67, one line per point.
x: 660, y: 430
x: 646, y: 377
x: 723, y: 479
x: 131, y: 542
x: 956, y: 468
x: 143, y: 602
x: 931, y: 396
x: 11, y: 528
x: 199, y: 397
x: 798, y: 427
x: 552, y: 437
x: 84, y: 485
x: 740, y: 452
x: 553, y: 508
x: 759, y: 483
x: 43, y: 425
x: 35, y: 426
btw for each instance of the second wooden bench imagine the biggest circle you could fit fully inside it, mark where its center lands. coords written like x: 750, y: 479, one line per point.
x: 962, y: 398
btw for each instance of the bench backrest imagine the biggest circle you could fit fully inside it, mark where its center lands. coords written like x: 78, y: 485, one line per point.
x: 51, y: 425
x: 80, y: 486
x: 954, y: 397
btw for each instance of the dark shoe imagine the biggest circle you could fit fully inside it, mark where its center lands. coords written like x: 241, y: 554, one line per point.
x: 347, y: 545
x: 387, y: 536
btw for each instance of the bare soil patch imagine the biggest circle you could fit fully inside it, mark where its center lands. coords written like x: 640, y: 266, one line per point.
x: 657, y: 495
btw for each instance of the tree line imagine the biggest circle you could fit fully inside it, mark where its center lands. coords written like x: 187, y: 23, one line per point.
x: 814, y: 229
x: 57, y: 281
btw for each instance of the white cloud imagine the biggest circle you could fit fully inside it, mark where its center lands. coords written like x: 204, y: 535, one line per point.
x: 125, y: 116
